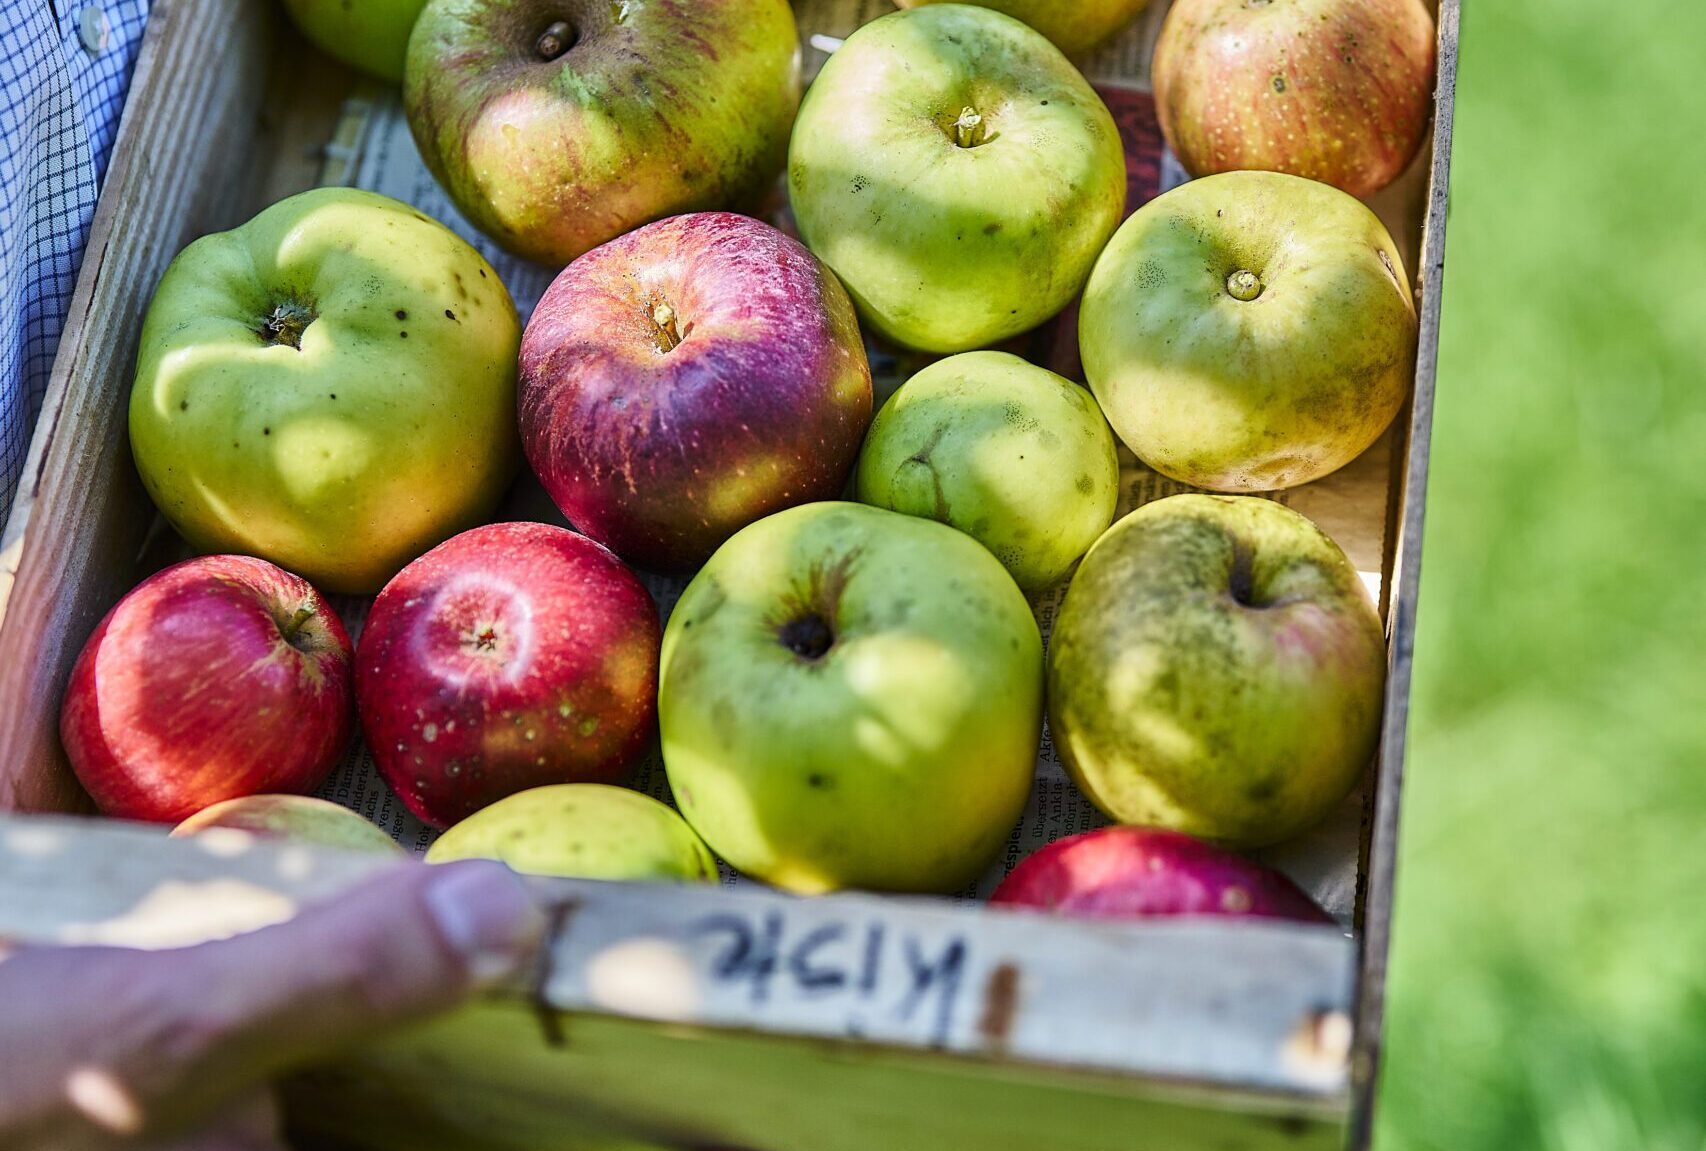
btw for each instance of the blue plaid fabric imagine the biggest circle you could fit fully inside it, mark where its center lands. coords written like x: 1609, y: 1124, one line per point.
x: 64, y: 70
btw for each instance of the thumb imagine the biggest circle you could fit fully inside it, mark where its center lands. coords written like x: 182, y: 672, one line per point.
x: 411, y: 942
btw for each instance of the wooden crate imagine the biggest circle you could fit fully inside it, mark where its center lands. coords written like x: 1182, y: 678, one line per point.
x: 952, y: 1025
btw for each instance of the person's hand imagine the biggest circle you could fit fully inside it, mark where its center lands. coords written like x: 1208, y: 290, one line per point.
x: 111, y: 1048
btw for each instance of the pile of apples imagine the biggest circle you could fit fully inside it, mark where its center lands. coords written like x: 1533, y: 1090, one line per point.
x: 850, y: 693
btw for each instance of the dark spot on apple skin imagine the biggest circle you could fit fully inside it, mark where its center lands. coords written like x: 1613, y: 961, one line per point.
x: 450, y: 315
x: 266, y: 431
x: 817, y: 781
x: 992, y: 227
x: 183, y: 405
x: 403, y: 335
x: 1085, y: 484
x: 1262, y: 790
x: 401, y: 314
x: 1279, y: 84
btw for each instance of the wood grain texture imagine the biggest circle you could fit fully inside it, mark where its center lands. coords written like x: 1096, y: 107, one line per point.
x: 1211, y: 1039
x: 1405, y: 565
x: 198, y: 144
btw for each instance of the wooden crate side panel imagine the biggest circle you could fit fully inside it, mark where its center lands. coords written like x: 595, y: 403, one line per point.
x: 548, y: 1055
x: 484, y: 1080
x: 1381, y: 861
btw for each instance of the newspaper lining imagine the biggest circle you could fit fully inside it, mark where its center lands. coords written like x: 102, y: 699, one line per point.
x: 1350, y: 505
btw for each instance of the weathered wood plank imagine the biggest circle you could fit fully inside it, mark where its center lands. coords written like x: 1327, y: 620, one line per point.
x: 1405, y: 565
x: 1235, y: 1031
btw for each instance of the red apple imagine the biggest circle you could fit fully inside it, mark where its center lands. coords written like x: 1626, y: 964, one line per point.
x: 1145, y: 872
x: 220, y: 677
x: 508, y: 657
x: 689, y: 378
x: 1335, y: 90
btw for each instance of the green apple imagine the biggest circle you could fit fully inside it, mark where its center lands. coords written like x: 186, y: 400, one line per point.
x: 1013, y: 455
x: 1249, y: 331
x: 558, y: 125
x: 852, y: 698
x: 1075, y: 27
x: 330, y: 387
x: 301, y: 818
x: 957, y: 173
x: 1216, y: 668
x: 372, y: 35
x: 580, y: 831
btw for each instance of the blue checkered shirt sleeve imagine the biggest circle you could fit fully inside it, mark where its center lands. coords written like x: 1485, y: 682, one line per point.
x: 63, y: 75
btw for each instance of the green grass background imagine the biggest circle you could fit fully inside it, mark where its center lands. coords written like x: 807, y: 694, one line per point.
x: 1548, y: 973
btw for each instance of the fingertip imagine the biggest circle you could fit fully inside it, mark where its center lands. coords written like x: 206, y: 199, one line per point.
x: 486, y: 916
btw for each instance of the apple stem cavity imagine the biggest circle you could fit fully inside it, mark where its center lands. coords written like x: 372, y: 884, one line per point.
x: 1241, y: 580
x: 286, y: 323
x: 808, y: 637
x: 1243, y: 285
x: 969, y: 131
x: 559, y: 37
x: 663, y: 319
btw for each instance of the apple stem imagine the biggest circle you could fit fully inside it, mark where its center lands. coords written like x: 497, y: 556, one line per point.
x: 968, y: 129
x: 663, y: 318
x: 286, y: 323
x: 294, y: 625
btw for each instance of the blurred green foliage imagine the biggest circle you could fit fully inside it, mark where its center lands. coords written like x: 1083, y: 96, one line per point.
x: 1548, y: 973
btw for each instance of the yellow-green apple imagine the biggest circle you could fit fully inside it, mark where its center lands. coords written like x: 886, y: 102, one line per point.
x: 688, y: 378
x: 1150, y: 872
x: 511, y: 656
x: 372, y: 35
x: 1249, y: 331
x: 330, y: 386
x: 957, y: 173
x: 1216, y: 668
x: 299, y: 818
x: 1074, y: 27
x: 852, y: 698
x: 219, y: 677
x: 556, y: 125
x: 1013, y: 455
x: 1334, y: 90
x: 581, y: 831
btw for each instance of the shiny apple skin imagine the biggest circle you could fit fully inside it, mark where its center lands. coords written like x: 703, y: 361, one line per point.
x: 656, y: 107
x: 202, y: 684
x: 762, y: 405
x: 1334, y: 90
x: 508, y: 657
x: 1150, y: 872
